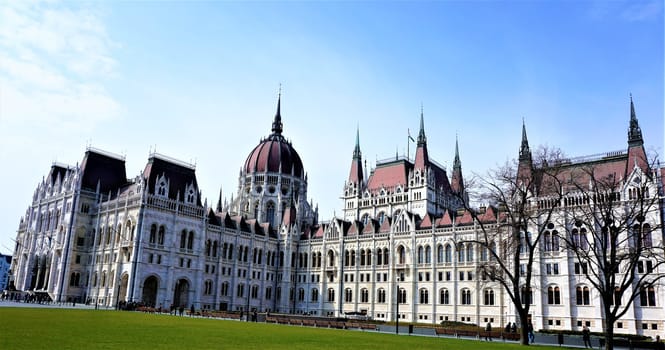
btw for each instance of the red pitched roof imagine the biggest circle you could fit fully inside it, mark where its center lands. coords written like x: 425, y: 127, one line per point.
x: 465, y: 219
x: 445, y: 220
x: 385, y: 226
x: 427, y: 222
x: 389, y: 175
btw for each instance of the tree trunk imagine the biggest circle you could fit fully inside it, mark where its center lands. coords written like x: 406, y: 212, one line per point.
x: 609, y: 333
x: 524, y: 328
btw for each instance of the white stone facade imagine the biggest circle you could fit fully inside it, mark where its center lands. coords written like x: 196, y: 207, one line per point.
x: 150, y: 239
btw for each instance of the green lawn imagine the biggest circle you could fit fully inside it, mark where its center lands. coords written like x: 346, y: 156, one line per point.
x: 40, y: 328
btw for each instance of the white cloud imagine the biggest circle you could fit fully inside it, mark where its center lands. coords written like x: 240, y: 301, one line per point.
x: 53, y: 63
x: 642, y: 10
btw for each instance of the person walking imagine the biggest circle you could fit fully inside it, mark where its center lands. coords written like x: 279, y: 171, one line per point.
x: 488, y: 331
x: 586, y: 337
x: 531, y: 335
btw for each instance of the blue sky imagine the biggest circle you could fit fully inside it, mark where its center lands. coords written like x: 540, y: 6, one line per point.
x: 199, y: 81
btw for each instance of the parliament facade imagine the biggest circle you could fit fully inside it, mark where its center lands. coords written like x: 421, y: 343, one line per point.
x: 93, y: 235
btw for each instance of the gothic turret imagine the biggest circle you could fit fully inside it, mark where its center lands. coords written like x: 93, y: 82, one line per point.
x: 356, y: 174
x: 636, y: 155
x: 457, y: 181
x: 524, y: 167
x: 422, y: 158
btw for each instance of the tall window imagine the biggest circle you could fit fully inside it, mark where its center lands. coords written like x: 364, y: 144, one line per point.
x: 460, y: 253
x: 553, y: 295
x: 444, y: 297
x: 153, y: 233
x: 401, y: 255
x: 582, y: 295
x: 381, y: 295
x: 466, y: 297
x: 421, y: 253
x: 527, y: 295
x: 364, y: 295
x: 160, y: 236
x: 402, y: 296
x: 648, y: 296
x: 315, y: 295
x: 331, y: 295
x: 488, y: 297
x: 270, y: 213
x: 424, y: 296
x: 348, y: 295
x: 449, y: 253
x: 439, y: 254
x: 428, y: 254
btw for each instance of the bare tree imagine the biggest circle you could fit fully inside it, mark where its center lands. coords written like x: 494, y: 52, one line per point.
x: 509, y: 230
x: 610, y: 220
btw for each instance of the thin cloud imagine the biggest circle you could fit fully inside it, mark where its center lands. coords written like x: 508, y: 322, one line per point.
x: 642, y: 11
x: 52, y: 68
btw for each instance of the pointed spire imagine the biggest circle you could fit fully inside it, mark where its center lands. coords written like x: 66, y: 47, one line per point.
x: 422, y: 139
x: 422, y: 158
x: 356, y: 174
x: 356, y: 151
x: 277, y: 123
x: 634, y: 130
x: 457, y: 163
x: 219, y: 202
x: 525, y: 152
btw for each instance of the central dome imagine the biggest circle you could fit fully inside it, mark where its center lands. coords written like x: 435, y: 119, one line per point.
x: 274, y: 154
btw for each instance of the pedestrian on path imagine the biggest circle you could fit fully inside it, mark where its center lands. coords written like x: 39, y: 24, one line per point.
x: 586, y: 336
x: 488, y: 331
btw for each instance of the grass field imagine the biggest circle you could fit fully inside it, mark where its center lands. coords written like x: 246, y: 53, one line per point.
x: 35, y: 328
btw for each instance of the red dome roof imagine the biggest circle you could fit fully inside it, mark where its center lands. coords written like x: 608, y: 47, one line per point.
x: 273, y: 154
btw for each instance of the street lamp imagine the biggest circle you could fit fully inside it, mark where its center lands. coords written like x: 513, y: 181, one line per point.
x: 397, y: 309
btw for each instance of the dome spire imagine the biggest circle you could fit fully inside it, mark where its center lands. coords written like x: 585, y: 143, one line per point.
x: 277, y: 122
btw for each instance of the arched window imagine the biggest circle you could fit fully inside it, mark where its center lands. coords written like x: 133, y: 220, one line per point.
x: 379, y: 256
x: 183, y: 239
x: 315, y: 295
x: 460, y: 253
x: 401, y: 255
x: 553, y: 295
x: 215, y: 247
x: 489, y: 297
x: 364, y: 295
x: 368, y: 259
x: 190, y: 240
x: 449, y: 253
x: 353, y: 258
x: 301, y: 294
x: 648, y: 296
x: 331, y: 258
x: 153, y: 233
x: 386, y: 258
x: 402, y: 296
x: 483, y: 254
x: 348, y: 295
x: 646, y: 236
x: 270, y: 213
x: 444, y: 296
x: 381, y: 296
x: 160, y: 236
x: 428, y: 254
x: 465, y: 297
x: 439, y: 254
x: 424, y: 296
x: 582, y: 295
x: 527, y: 295
x: 331, y: 295
x: 225, y: 289
x: 469, y: 252
x: 421, y: 258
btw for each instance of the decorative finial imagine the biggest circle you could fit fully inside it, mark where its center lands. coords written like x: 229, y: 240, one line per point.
x: 277, y: 122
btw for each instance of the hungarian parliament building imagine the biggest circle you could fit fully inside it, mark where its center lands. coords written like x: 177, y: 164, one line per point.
x: 94, y: 235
